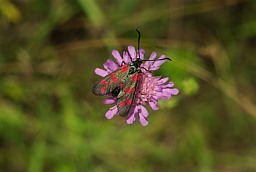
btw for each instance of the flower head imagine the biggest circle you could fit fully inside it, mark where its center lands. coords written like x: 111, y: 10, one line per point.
x: 150, y: 88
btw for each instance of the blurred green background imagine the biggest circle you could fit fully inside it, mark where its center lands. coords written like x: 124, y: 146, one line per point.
x: 50, y: 120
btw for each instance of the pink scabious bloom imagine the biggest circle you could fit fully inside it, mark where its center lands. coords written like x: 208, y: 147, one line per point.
x: 150, y: 89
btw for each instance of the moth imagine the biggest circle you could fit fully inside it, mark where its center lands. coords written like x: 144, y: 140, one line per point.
x: 123, y: 84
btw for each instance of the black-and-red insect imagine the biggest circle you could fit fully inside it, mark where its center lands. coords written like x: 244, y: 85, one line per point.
x: 123, y: 84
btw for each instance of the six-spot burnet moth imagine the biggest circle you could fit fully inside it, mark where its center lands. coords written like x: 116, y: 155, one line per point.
x: 123, y: 83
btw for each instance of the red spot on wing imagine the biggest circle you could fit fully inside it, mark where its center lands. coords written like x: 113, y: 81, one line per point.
x: 113, y: 80
x: 128, y: 101
x: 124, y: 68
x: 122, y: 104
x: 113, y: 77
x: 103, y: 88
x: 103, y: 82
x: 135, y: 77
x: 120, y: 84
x: 127, y: 90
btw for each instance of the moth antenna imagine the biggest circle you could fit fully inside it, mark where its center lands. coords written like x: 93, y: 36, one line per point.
x: 159, y: 59
x: 138, y: 42
x: 145, y: 69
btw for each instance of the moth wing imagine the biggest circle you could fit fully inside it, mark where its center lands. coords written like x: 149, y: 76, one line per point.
x: 126, y: 98
x: 104, y: 86
x: 111, y: 81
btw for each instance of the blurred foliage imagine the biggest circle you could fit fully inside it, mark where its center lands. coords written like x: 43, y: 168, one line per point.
x: 50, y: 120
x: 10, y: 11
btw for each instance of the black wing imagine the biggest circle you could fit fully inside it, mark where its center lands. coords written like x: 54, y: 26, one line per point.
x: 126, y: 98
x: 111, y: 81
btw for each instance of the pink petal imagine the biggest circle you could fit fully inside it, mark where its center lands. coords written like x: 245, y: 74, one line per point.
x: 136, y: 109
x: 142, y: 52
x: 157, y: 78
x: 101, y: 72
x: 144, y: 111
x: 132, y: 52
x: 117, y: 56
x: 148, y: 64
x: 153, y: 105
x: 166, y: 95
x: 170, y: 84
x: 111, y: 112
x: 163, y: 80
x: 158, y: 88
x: 159, y: 94
x: 143, y: 120
x: 131, y: 119
x: 153, y: 55
x: 175, y: 91
x: 168, y: 92
x: 155, y: 97
x: 109, y: 101
x: 158, y: 63
x: 126, y: 57
x: 110, y: 65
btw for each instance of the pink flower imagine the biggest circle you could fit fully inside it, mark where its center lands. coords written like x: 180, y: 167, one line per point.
x: 150, y: 90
